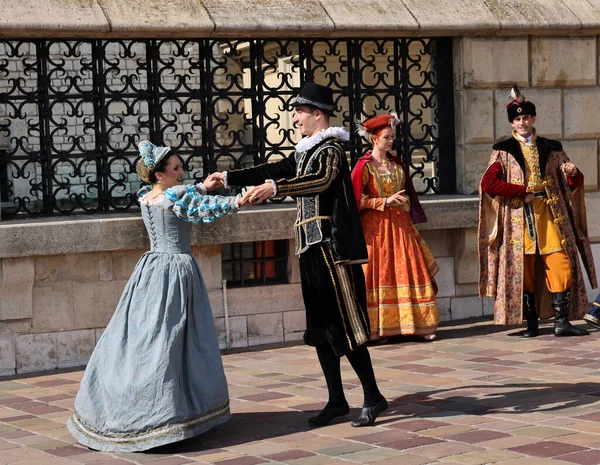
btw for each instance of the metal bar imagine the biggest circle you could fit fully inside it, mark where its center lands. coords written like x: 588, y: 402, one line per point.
x: 154, y: 110
x: 405, y: 103
x: 446, y: 169
x: 206, y: 89
x: 45, y: 155
x: 354, y: 49
x: 100, y: 134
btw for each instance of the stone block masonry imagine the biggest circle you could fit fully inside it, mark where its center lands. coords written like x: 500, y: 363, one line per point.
x: 67, y: 291
x: 558, y: 73
x: 64, y: 294
x: 65, y: 299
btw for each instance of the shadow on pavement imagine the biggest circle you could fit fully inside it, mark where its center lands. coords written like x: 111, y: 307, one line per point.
x: 477, y: 399
x: 508, y: 399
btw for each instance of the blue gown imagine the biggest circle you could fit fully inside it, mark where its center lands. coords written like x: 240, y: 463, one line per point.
x: 155, y: 376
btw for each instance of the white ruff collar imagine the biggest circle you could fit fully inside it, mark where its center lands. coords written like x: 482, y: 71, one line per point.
x: 308, y: 143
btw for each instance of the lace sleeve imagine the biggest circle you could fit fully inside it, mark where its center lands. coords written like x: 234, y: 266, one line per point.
x: 190, y: 205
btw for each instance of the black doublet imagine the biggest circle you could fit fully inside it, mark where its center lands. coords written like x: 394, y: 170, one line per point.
x: 333, y: 283
x: 335, y: 195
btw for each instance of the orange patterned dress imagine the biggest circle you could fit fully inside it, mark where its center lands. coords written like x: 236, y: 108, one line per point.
x: 400, y: 273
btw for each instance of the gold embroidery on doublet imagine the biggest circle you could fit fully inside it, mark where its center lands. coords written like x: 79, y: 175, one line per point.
x: 308, y: 226
x: 547, y: 235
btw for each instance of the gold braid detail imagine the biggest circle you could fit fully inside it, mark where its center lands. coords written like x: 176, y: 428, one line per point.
x: 336, y: 293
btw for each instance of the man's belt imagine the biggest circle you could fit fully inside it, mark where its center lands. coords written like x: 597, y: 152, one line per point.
x: 528, y: 212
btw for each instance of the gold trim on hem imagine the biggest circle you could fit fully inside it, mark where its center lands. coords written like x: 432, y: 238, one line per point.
x: 401, y: 292
x: 594, y: 321
x: 406, y: 330
x: 151, y: 434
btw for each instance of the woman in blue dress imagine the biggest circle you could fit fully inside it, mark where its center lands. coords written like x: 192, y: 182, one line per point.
x: 155, y: 376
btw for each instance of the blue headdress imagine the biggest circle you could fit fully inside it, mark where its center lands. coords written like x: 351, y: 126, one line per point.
x: 152, y: 154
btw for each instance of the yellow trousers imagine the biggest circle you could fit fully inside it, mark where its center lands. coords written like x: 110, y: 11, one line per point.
x: 557, y: 268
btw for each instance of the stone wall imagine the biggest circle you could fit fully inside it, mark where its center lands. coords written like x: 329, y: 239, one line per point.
x: 60, y: 281
x: 54, y: 307
x: 558, y: 74
x: 293, y: 18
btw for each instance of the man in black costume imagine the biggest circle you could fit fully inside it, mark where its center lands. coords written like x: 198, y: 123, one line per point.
x: 330, y: 245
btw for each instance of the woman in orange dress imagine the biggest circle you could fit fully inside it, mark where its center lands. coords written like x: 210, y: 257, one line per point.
x: 400, y: 274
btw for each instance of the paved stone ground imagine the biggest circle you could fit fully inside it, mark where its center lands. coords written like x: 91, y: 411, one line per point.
x: 477, y: 395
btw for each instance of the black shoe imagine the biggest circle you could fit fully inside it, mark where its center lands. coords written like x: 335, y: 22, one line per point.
x: 530, y: 333
x: 328, y: 414
x: 368, y: 415
x: 569, y: 330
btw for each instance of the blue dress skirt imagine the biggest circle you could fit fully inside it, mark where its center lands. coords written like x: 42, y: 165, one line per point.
x: 155, y: 376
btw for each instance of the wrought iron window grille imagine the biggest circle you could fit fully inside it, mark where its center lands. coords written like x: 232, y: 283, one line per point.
x: 255, y: 263
x: 72, y: 111
x: 3, y: 176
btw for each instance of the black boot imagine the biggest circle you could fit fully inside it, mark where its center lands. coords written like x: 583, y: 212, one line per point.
x: 562, y: 327
x: 530, y: 315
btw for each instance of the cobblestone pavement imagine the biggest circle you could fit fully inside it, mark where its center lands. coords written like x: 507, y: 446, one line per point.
x: 477, y: 395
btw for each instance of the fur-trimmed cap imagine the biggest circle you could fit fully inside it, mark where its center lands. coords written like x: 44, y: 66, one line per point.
x: 518, y: 105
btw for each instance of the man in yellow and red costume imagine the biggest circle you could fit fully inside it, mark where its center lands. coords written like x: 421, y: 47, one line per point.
x: 532, y: 225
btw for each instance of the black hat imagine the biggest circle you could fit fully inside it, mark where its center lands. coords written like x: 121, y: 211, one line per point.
x: 518, y: 106
x: 315, y: 95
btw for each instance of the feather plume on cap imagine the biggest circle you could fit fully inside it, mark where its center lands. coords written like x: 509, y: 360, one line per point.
x: 515, y: 96
x: 360, y: 129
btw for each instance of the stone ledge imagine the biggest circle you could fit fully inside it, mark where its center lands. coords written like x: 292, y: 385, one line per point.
x: 32, y: 18
x: 259, y: 18
x: 295, y: 18
x: 371, y: 17
x: 452, y: 17
x: 538, y: 16
x: 181, y: 18
x: 98, y: 233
